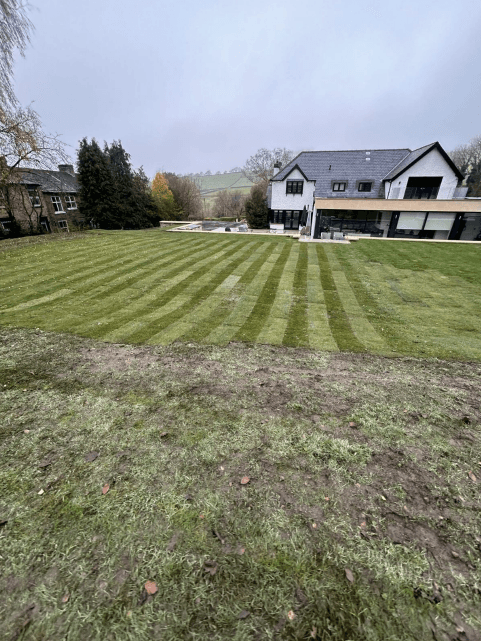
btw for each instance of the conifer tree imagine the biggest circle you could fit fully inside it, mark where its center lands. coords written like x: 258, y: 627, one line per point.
x: 257, y: 213
x: 97, y: 189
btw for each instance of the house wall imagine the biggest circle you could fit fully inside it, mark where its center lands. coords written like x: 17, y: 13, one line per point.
x: 281, y: 200
x: 432, y: 165
x: 24, y: 212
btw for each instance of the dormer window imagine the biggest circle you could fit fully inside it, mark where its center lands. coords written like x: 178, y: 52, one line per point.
x: 294, y: 186
x: 364, y: 186
x: 339, y: 186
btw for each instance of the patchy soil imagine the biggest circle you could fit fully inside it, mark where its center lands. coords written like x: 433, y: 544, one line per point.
x: 360, y: 517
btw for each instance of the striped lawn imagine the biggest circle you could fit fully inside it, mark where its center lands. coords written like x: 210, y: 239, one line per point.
x: 156, y: 287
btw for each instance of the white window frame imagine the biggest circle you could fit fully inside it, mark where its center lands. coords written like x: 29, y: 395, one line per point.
x: 59, y: 224
x: 70, y: 202
x: 339, y: 184
x: 34, y: 197
x: 56, y: 200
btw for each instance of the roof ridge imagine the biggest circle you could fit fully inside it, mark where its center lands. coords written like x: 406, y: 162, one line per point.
x: 330, y: 151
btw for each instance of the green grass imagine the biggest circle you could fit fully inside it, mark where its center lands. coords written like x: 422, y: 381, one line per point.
x: 419, y: 299
x: 176, y: 427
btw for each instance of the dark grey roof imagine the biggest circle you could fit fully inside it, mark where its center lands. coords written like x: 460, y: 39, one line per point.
x: 416, y: 155
x: 50, y: 181
x: 408, y: 160
x: 327, y: 166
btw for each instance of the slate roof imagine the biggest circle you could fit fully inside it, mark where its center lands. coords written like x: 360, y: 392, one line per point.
x: 416, y: 155
x: 327, y: 166
x: 50, y: 181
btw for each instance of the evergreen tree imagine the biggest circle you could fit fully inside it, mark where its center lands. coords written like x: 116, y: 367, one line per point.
x: 97, y: 202
x: 257, y: 213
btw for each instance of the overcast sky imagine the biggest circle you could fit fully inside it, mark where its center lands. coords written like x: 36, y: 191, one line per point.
x: 192, y: 85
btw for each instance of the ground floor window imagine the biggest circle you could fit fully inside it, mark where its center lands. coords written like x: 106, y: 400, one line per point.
x: 5, y: 225
x: 62, y: 224
x: 288, y: 217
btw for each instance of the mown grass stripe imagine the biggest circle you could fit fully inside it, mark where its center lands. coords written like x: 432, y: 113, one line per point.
x: 77, y: 303
x: 156, y: 299
x: 296, y: 334
x: 51, y: 263
x: 107, y: 287
x: 45, y: 284
x: 157, y: 325
x: 360, y: 325
x: 338, y: 321
x: 217, y: 317
x: 253, y: 325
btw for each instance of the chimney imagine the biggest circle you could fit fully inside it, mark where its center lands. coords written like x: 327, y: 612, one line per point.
x: 277, y: 168
x: 68, y: 169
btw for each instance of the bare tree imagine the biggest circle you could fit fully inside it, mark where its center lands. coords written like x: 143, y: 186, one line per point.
x: 260, y: 167
x: 467, y: 159
x: 229, y: 203
x: 15, y: 29
x: 24, y: 143
x: 186, y: 195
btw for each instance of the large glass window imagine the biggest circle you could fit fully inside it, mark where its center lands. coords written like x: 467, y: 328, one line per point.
x: 422, y: 188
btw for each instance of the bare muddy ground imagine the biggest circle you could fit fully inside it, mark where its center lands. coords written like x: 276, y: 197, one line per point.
x: 359, y: 518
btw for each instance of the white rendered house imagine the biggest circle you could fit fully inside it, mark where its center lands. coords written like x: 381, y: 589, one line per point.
x: 397, y: 193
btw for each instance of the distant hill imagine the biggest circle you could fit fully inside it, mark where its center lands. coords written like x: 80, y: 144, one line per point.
x: 210, y: 186
x: 219, y: 182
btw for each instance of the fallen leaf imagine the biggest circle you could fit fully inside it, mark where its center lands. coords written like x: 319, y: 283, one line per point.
x: 245, y: 480
x: 26, y: 431
x: 105, y: 488
x: 314, y: 632
x: 129, y: 613
x: 244, y: 614
x: 91, y: 456
x: 65, y: 598
x: 221, y: 468
x: 383, y: 497
x: 291, y: 615
x: 151, y: 587
x: 314, y: 525
x: 162, y: 434
x: 352, y: 424
x: 241, y: 551
x: 349, y: 575
x: 363, y: 524
x: 201, y: 516
x: 358, y: 485
x: 40, y: 492
x: 326, y: 498
x: 455, y: 554
x: 210, y: 567
x: 472, y: 476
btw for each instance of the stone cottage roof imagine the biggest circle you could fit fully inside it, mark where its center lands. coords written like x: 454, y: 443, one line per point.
x: 50, y: 181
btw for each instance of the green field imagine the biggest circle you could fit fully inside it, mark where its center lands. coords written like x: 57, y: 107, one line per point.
x: 312, y: 370
x: 210, y: 186
x: 157, y: 287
